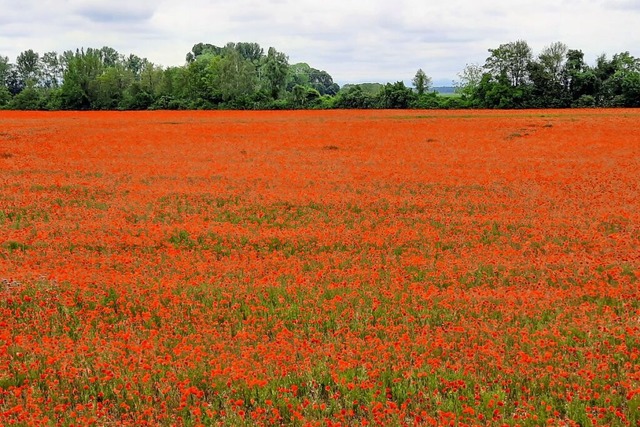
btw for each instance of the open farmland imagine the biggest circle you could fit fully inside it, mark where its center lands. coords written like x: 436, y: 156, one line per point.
x: 320, y: 268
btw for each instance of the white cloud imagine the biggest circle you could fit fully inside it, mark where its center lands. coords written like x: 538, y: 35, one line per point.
x: 354, y: 41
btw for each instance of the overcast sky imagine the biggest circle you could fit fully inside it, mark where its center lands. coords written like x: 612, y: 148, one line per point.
x: 355, y: 41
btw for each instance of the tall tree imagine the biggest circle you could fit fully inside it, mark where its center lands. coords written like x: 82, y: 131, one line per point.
x: 620, y: 80
x: 109, y: 56
x: 469, y: 80
x: 52, y: 70
x: 322, y: 81
x: 202, y: 90
x: 548, y: 76
x: 14, y: 83
x: 299, y: 75
x: 302, y: 74
x: 552, y: 59
x: 275, y: 71
x: 151, y: 78
x: 202, y: 49
x: 110, y: 86
x: 28, y: 67
x: 5, y: 68
x: 421, y: 82
x: 252, y: 52
x: 581, y: 80
x: 135, y: 64
x: 79, y: 86
x: 511, y: 59
x: 235, y: 77
x: 173, y: 88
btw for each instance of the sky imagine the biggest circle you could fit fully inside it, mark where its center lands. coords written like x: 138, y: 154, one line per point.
x: 354, y: 41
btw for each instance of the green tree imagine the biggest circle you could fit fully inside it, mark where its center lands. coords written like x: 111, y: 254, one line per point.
x: 630, y: 89
x: 619, y: 78
x: 13, y: 81
x: 5, y: 97
x: 499, y: 93
x: 28, y: 99
x: 109, y: 56
x: 52, y: 70
x: 546, y: 92
x: 150, y: 78
x: 304, y: 97
x: 552, y: 60
x: 173, y: 89
x: 298, y: 75
x: 110, y: 88
x: 135, y: 64
x: 395, y: 95
x: 468, y: 80
x: 304, y: 75
x: 28, y: 67
x: 512, y: 60
x: 274, y: 72
x: 421, y: 82
x: 79, y: 88
x: 202, y: 89
x: 353, y: 96
x: 251, y: 52
x: 5, y: 68
x: 235, y: 78
x: 202, y: 49
x: 322, y: 82
x: 137, y: 98
x: 581, y: 80
x: 548, y: 76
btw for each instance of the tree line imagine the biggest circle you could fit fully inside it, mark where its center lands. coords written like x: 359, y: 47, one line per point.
x: 244, y: 76
x: 558, y: 77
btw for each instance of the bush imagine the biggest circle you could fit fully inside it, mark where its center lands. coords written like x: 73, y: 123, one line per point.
x: 353, y: 97
x: 426, y: 101
x: 52, y: 99
x: 585, y: 101
x: 454, y: 103
x: 395, y: 95
x: 28, y: 99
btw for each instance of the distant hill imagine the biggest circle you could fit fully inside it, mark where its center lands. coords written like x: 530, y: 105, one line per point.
x: 444, y: 89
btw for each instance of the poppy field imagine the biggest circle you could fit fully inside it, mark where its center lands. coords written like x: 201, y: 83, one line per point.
x: 320, y: 268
